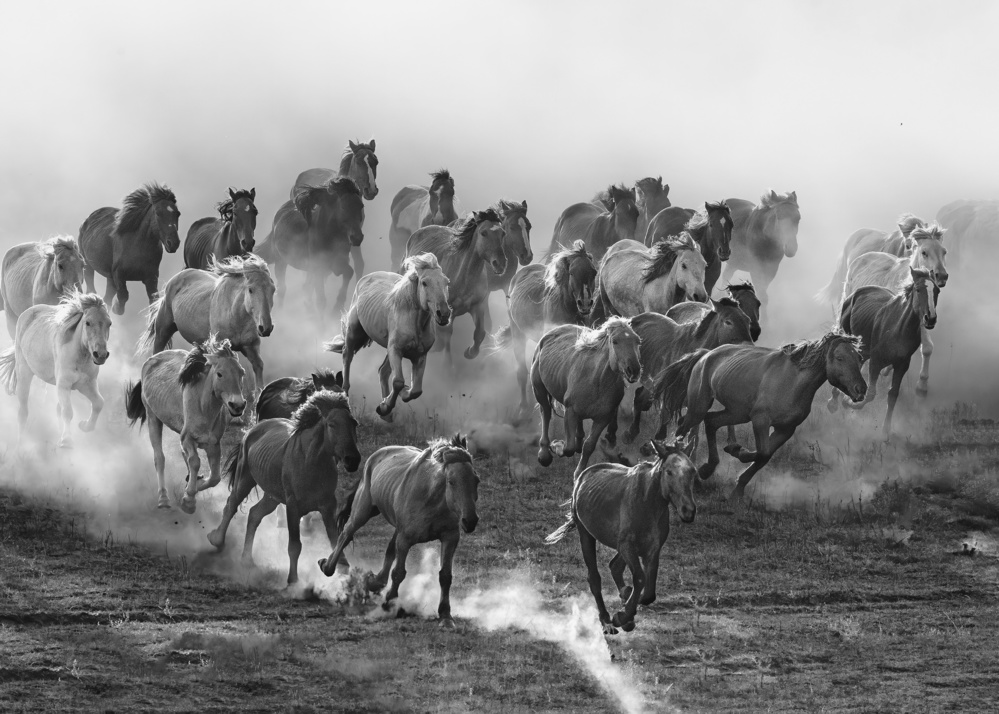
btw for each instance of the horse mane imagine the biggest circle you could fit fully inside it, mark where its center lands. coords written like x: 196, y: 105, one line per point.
x: 737, y: 287
x: 808, y: 353
x: 135, y: 205
x: 663, y: 254
x: 932, y: 230
x: 558, y: 265
x: 321, y: 403
x: 590, y: 339
x: 907, y: 223
x: 710, y: 316
x: 308, y: 196
x: 348, y: 156
x: 225, y: 207
x: 59, y: 246
x: 196, y: 362
x: 416, y: 263
x: 464, y: 231
x: 72, y: 306
x: 440, y: 176
x: 238, y: 266
x: 771, y: 198
x: 618, y: 192
x: 448, y: 451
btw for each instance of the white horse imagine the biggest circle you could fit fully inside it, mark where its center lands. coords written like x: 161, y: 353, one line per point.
x: 190, y: 392
x: 39, y: 274
x: 398, y: 313
x: 64, y: 345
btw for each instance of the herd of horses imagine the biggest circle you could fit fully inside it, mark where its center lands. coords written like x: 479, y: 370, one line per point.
x: 622, y: 300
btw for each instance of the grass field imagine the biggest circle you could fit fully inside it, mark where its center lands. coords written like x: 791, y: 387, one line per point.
x: 842, y: 584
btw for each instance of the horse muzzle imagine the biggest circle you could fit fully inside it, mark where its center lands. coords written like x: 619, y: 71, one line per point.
x: 754, y: 332
x: 498, y: 266
x: 583, y: 309
x: 725, y: 254
x: 468, y: 524
x: 940, y: 279
x: 858, y: 393
x: 265, y: 331
x: 100, y: 357
x: 351, y: 462
x: 929, y: 322
x: 687, y: 513
x: 172, y: 244
x: 443, y: 318
x: 633, y: 376
x: 370, y: 193
x: 236, y: 408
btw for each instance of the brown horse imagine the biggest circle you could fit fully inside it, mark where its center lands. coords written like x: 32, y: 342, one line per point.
x: 711, y: 229
x: 282, y: 397
x: 425, y: 495
x: 889, y: 325
x: 597, y: 228
x: 417, y: 206
x: 627, y: 509
x: 38, y: 274
x: 464, y: 252
x: 229, y: 234
x: 772, y: 388
x: 516, y: 242
x: 560, y: 293
x: 763, y: 235
x: 127, y: 244
x: 585, y: 370
x: 651, y: 197
x: 742, y: 293
x: 294, y: 462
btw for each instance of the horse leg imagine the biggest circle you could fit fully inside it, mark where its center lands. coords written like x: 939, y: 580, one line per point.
x: 159, y: 460
x: 765, y: 446
x: 152, y: 287
x: 384, y: 409
x: 294, y: 539
x: 479, y: 334
x: 328, y: 514
x: 341, y: 296
x: 642, y: 403
x: 110, y: 291
x: 319, y: 290
x: 88, y: 278
x: 545, y: 404
x: 419, y: 366
x: 444, y: 335
x: 617, y: 572
x: 121, y: 293
x: 358, y: 257
x: 651, y: 576
x: 519, y: 344
x: 24, y: 377
x: 925, y: 351
x: 89, y: 390
x: 65, y: 408
x: 597, y: 428
x: 449, y: 544
x: 252, y: 354
x: 280, y: 278
x: 264, y: 507
x: 898, y: 372
x: 711, y: 274
x: 190, y: 448
x: 240, y: 490
x: 626, y: 619
x: 611, y: 436
x: 361, y: 512
x: 572, y: 441
x: 377, y: 583
x: 213, y: 452
x: 588, y: 544
x: 402, y: 546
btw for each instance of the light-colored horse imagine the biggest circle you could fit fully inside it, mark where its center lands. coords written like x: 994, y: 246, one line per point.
x: 426, y: 495
x: 63, y: 345
x: 190, y: 392
x: 585, y: 370
x: 891, y: 272
x: 39, y: 274
x: 399, y: 313
x: 417, y: 206
x: 599, y: 225
x: 671, y: 271
x: 233, y: 302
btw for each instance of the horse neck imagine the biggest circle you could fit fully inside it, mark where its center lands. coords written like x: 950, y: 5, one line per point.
x: 469, y: 268
x: 706, y: 243
x: 684, y: 337
x: 312, y: 443
x: 147, y: 231
x: 45, y: 277
x: 228, y: 241
x: 806, y: 382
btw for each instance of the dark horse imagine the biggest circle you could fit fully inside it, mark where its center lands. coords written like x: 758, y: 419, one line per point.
x: 415, y: 207
x: 711, y: 228
x: 599, y: 227
x: 229, y: 234
x: 315, y: 233
x: 127, y: 243
x: 280, y: 398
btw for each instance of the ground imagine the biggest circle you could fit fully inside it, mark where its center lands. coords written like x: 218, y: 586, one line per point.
x: 844, y: 583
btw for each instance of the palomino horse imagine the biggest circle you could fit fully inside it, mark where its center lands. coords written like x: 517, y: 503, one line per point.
x: 742, y: 293
x: 464, y: 252
x: 360, y: 165
x: 762, y: 235
x: 560, y: 293
x: 889, y: 325
x: 887, y: 271
x: 282, y: 397
x: 238, y: 294
x: 397, y: 312
x: 869, y: 240
x: 627, y: 509
x: 190, y: 392
x: 671, y: 271
x: 425, y: 495
x: 294, y: 462
x: 127, y: 243
x: 229, y: 234
x: 63, y: 345
x: 664, y: 341
x: 772, y: 388
x: 417, y: 206
x: 516, y: 242
x: 710, y: 228
x: 38, y: 274
x: 585, y: 370
x: 315, y: 233
x: 598, y: 228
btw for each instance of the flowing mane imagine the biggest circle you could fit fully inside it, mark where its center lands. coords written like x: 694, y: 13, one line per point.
x: 308, y: 196
x: 416, y: 263
x: 932, y: 230
x: 321, y: 403
x: 617, y: 192
x: 60, y: 247
x: 238, y: 266
x: 447, y: 451
x: 440, y: 177
x: 809, y: 353
x: 557, y: 270
x: 134, y: 207
x: 196, y: 362
x: 301, y: 389
x: 663, y: 254
x: 712, y: 315
x: 907, y: 223
x: 72, y: 307
x: 225, y: 207
x: 463, y: 234
x: 350, y: 151
x: 595, y: 339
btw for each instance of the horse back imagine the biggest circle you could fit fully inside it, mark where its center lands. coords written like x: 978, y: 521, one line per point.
x: 18, y: 273
x: 265, y: 446
x: 573, y: 225
x: 860, y: 310
x: 614, y: 503
x: 660, y: 345
x: 668, y: 222
x: 527, y: 298
x: 407, y: 196
x: 312, y: 177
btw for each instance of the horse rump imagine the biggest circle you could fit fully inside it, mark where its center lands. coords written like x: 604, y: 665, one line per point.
x: 135, y: 409
x: 672, y: 383
x: 8, y: 375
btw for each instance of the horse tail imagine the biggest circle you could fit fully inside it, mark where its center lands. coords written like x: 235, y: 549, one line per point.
x: 230, y: 469
x: 563, y: 530
x: 503, y: 339
x: 8, y: 375
x: 335, y: 345
x: 671, y: 384
x: 135, y: 409
x: 155, y: 313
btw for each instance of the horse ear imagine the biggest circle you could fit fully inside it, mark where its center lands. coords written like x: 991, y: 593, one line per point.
x: 232, y: 193
x: 464, y: 442
x: 352, y: 145
x: 660, y: 448
x: 253, y: 194
x: 687, y: 446
x: 338, y: 379
x: 660, y: 179
x: 371, y: 144
x: 794, y: 197
x: 524, y: 204
x: 773, y: 195
x: 665, y: 187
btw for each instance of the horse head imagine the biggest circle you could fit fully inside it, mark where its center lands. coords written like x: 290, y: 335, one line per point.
x: 488, y: 238
x: 166, y: 216
x: 732, y: 325
x: 461, y: 489
x: 215, y: 361
x: 720, y: 228
x: 333, y: 211
x: 689, y: 268
x: 843, y: 361
x: 624, y: 211
x: 362, y: 167
x: 325, y: 379
x: 89, y: 313
x: 431, y: 285
x: 677, y: 474
x: 624, y: 345
x: 441, y: 197
x: 923, y: 297
x: 930, y: 254
x: 572, y: 273
x: 782, y: 218
x: 651, y: 196
x: 518, y: 230
x: 243, y: 217
x: 65, y: 260
x: 745, y: 295
x: 339, y: 427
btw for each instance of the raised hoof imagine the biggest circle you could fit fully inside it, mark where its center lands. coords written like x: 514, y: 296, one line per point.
x: 410, y: 396
x: 621, y: 620
x: 545, y: 457
x: 558, y: 447
x: 86, y: 427
x: 625, y: 593
x: 921, y: 390
x: 628, y: 626
x: 117, y: 308
x: 732, y: 450
x: 609, y: 629
x: 704, y: 471
x: 217, y: 540
x: 328, y: 572
x: 446, y: 623
x: 471, y: 352
x: 188, y: 505
x: 386, y: 415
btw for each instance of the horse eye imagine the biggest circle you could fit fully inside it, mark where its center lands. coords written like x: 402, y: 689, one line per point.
x: 219, y: 374
x: 88, y: 323
x: 924, y: 253
x: 424, y: 283
x: 251, y: 291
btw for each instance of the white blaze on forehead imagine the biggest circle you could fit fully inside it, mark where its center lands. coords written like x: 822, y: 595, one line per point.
x: 171, y: 209
x: 931, y: 298
x: 723, y: 221
x: 523, y: 227
x: 371, y: 171
x: 246, y: 209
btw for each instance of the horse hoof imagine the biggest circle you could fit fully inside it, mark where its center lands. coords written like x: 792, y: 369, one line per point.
x: 164, y: 504
x: 626, y: 593
x: 411, y: 396
x: 86, y: 426
x: 628, y: 626
x: 545, y: 457
x: 117, y: 308
x: 188, y: 505
x: 558, y: 447
x: 447, y: 623
x: 921, y: 390
x: 732, y: 449
x: 322, y: 567
x: 704, y: 471
x: 609, y: 629
x: 647, y: 600
x: 217, y: 540
x: 620, y: 619
x: 471, y: 352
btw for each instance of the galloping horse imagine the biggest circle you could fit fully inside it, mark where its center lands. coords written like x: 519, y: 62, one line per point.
x: 463, y: 252
x: 889, y: 325
x: 596, y: 227
x: 772, y: 388
x: 417, y: 206
x: 651, y: 197
x: 887, y: 271
x: 38, y: 274
x: 63, y: 345
x: 315, y: 233
x: 189, y: 392
x: 516, y: 242
x: 229, y: 234
x: 127, y: 244
x: 710, y: 228
x: 397, y: 312
x: 671, y: 271
x: 869, y: 240
x: 425, y: 495
x: 282, y: 397
x: 585, y: 370
x: 560, y: 293
x: 742, y: 293
x: 233, y: 301
x: 627, y: 509
x: 762, y: 235
x: 294, y: 462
